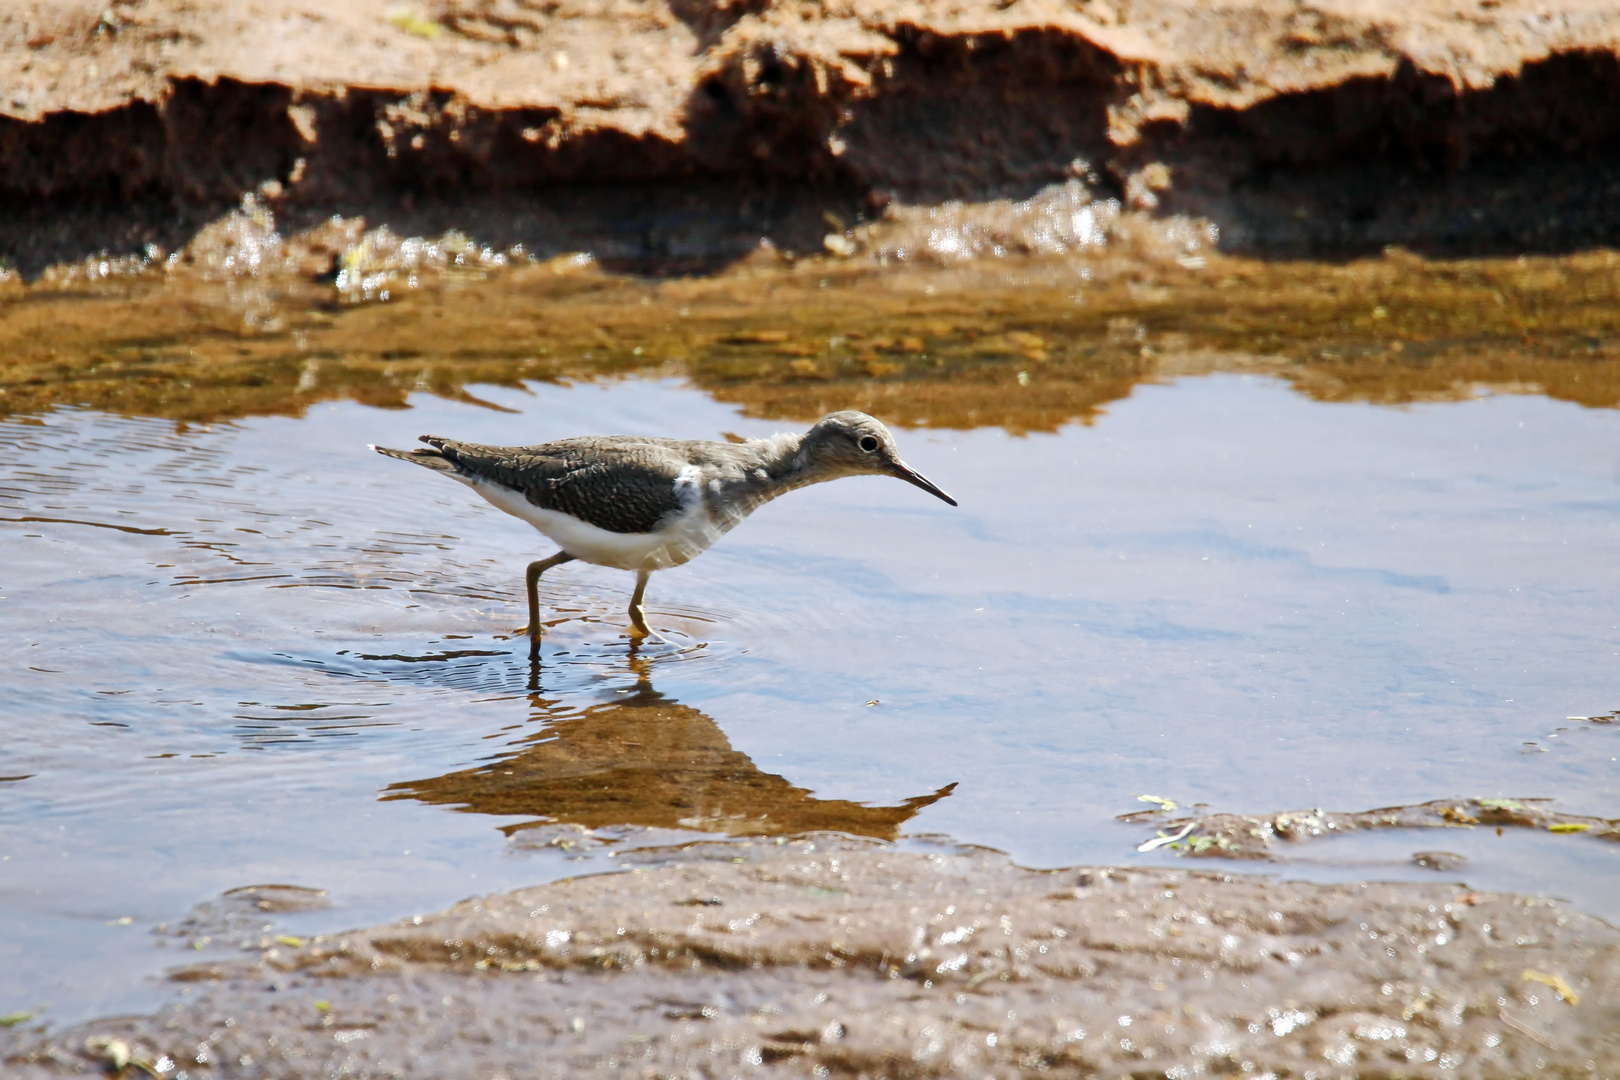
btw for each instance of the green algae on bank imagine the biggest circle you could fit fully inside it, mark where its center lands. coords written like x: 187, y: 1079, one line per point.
x: 1248, y: 836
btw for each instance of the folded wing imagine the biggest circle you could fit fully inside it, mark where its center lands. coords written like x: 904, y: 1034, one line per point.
x: 625, y: 488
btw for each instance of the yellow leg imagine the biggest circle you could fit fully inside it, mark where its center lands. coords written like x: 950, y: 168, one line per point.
x: 535, y: 570
x: 638, y: 618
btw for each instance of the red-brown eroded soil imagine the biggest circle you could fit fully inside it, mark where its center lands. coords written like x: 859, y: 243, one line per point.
x: 1332, y: 125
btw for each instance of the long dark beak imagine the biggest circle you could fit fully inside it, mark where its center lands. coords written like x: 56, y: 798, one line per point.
x: 912, y: 476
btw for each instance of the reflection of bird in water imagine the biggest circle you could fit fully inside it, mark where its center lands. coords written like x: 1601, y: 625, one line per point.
x: 646, y: 504
x: 648, y: 761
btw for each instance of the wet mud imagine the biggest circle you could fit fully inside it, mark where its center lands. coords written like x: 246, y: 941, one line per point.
x: 821, y: 955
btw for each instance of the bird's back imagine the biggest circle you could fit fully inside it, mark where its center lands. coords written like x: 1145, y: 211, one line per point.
x: 623, y: 485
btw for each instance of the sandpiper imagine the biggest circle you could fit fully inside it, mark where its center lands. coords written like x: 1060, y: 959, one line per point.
x: 645, y: 504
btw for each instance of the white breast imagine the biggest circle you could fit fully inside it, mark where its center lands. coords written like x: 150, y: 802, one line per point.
x: 678, y: 541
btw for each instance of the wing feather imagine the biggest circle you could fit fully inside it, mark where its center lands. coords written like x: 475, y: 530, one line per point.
x: 626, y: 487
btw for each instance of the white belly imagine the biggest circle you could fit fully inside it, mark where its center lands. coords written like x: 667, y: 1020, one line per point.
x: 677, y: 542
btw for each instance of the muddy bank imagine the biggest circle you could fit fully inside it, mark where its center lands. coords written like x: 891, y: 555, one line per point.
x: 820, y: 955
x: 1328, y: 127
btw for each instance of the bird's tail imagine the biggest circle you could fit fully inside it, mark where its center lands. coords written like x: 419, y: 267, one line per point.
x: 431, y: 459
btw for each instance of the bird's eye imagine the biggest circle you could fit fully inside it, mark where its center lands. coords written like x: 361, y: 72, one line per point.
x: 869, y: 443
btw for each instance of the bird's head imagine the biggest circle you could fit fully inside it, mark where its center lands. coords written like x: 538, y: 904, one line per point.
x: 854, y: 444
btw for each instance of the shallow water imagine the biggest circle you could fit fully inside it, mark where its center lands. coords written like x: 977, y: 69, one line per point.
x: 256, y: 652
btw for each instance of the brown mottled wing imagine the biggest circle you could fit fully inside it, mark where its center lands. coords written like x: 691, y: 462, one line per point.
x: 624, y: 487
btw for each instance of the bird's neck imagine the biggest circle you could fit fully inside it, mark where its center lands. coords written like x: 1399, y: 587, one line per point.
x: 789, y: 464
x: 782, y: 458
x: 771, y: 467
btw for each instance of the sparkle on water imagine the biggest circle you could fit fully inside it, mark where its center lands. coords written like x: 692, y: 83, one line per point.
x: 256, y: 652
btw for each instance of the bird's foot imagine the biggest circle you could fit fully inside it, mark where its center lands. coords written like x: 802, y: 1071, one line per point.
x: 638, y: 640
x: 533, y: 639
x: 640, y: 631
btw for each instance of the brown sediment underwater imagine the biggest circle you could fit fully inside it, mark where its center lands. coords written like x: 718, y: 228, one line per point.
x: 1027, y: 345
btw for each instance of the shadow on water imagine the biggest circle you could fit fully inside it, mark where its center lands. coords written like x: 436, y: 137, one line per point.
x: 646, y: 760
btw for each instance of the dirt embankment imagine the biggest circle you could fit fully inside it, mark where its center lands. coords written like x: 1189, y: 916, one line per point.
x: 1332, y: 124
x: 820, y: 956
